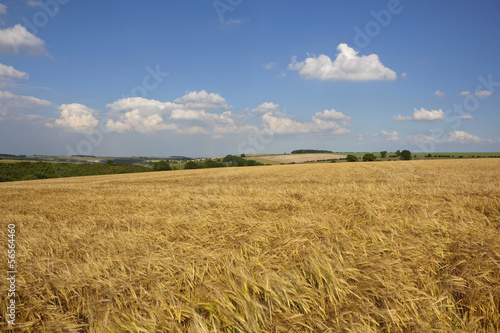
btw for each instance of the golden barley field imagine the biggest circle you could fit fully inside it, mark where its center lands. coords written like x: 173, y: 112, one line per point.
x: 406, y: 246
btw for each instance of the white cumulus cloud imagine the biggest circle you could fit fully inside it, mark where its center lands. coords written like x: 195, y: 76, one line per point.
x: 16, y: 106
x: 139, y: 114
x: 333, y: 115
x: 9, y: 72
x: 134, y: 120
x: 346, y: 66
x: 483, y: 93
x: 145, y: 106
x: 187, y: 114
x: 202, y: 100
x: 283, y: 125
x: 428, y: 115
x: 16, y: 39
x: 422, y: 115
x: 76, y: 117
x: 266, y: 107
x: 463, y: 137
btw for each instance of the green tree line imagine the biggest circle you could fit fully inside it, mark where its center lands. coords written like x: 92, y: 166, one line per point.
x: 44, y: 170
x: 311, y: 151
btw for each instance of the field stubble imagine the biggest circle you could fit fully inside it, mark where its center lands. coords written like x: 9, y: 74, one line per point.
x: 354, y: 247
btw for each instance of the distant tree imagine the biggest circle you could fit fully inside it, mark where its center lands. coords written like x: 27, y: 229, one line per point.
x: 161, y: 166
x: 109, y: 162
x: 351, y: 158
x: 429, y: 155
x: 212, y: 164
x: 369, y: 157
x: 398, y: 153
x: 405, y: 155
x: 383, y: 154
x: 241, y: 162
x: 228, y: 158
x: 243, y: 155
x: 191, y: 165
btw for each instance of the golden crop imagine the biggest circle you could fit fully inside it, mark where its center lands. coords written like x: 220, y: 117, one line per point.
x: 346, y: 247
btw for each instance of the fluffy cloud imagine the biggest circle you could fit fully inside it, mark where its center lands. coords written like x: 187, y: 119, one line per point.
x: 202, y: 115
x: 426, y: 115
x: 9, y: 72
x: 334, y: 115
x: 266, y: 107
x: 145, y: 106
x: 390, y: 136
x: 139, y: 114
x: 422, y: 115
x: 281, y: 125
x: 16, y: 106
x: 186, y: 115
x: 284, y: 125
x: 76, y: 117
x: 11, y: 100
x: 3, y: 9
x: 346, y: 66
x: 202, y: 100
x: 17, y: 38
x: 134, y: 120
x: 439, y: 93
x: 463, y: 137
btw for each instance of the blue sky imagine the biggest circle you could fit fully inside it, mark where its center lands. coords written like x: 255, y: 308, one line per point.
x: 210, y: 78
